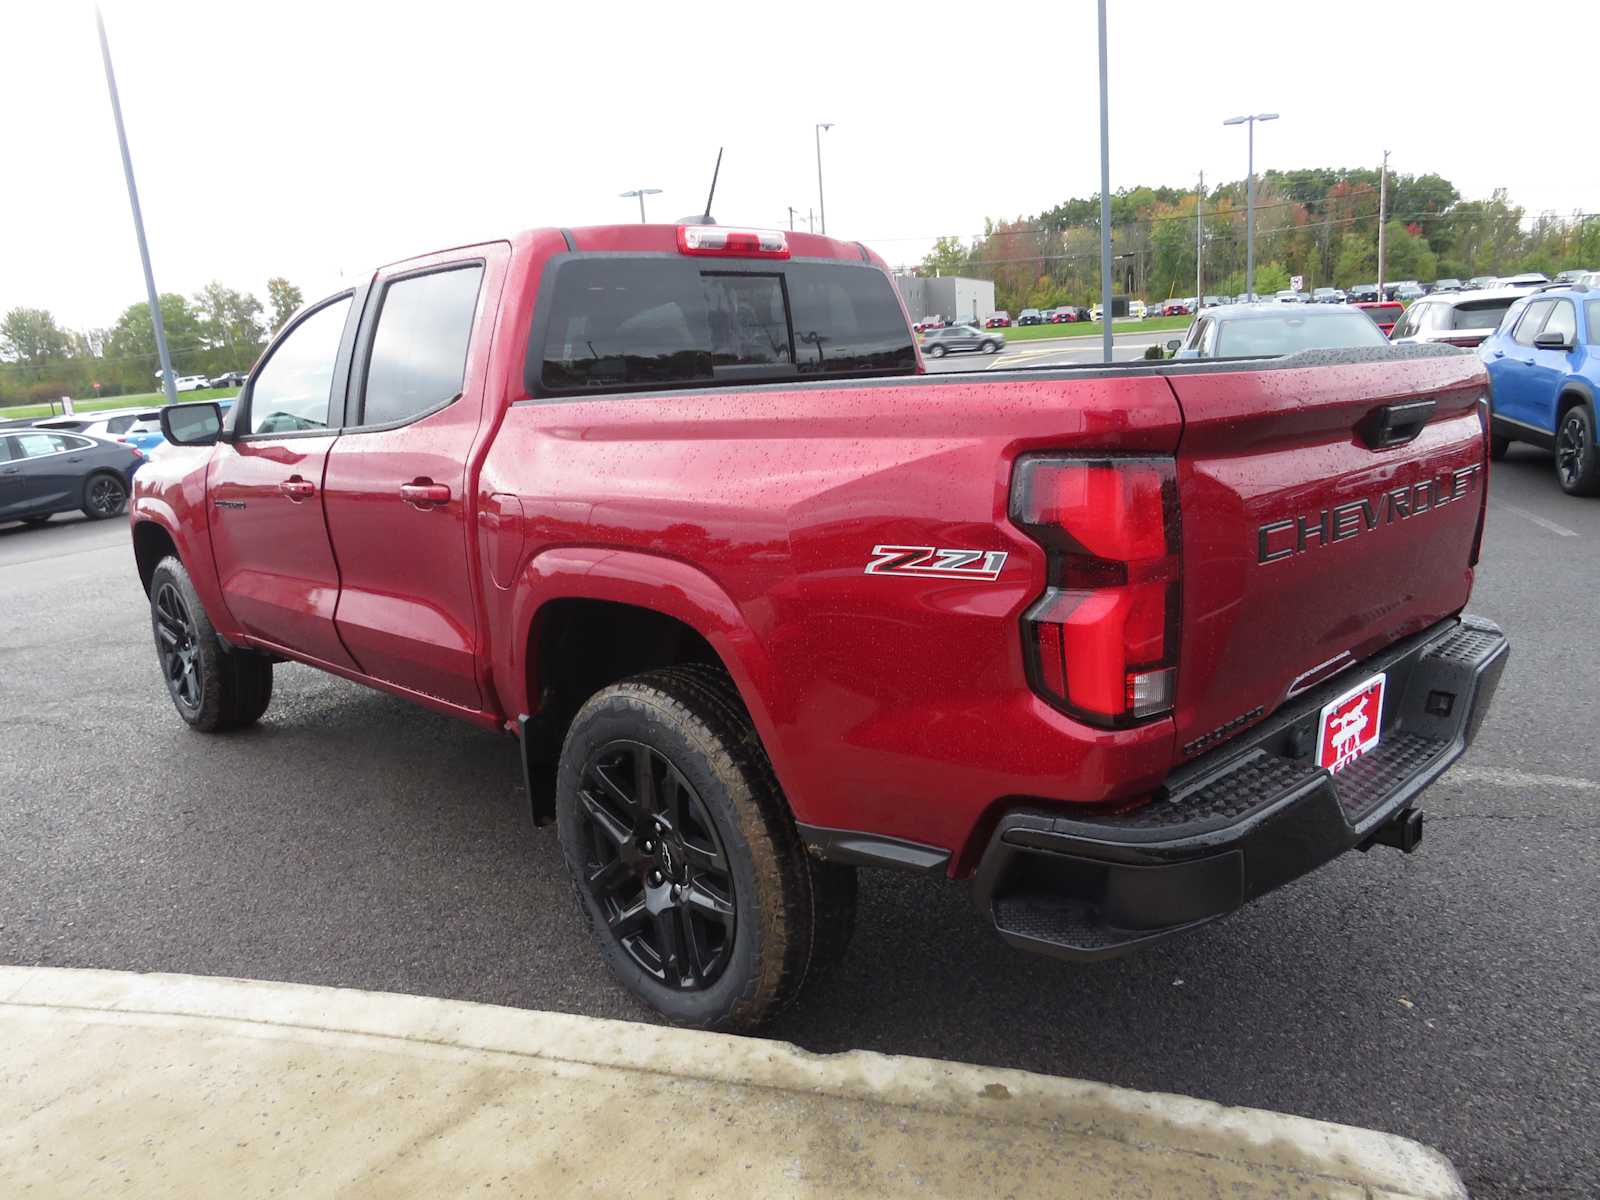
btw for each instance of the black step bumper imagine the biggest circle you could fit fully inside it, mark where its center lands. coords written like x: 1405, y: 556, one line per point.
x: 1245, y: 818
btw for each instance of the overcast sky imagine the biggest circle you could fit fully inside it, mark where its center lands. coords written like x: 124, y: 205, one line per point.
x: 279, y: 137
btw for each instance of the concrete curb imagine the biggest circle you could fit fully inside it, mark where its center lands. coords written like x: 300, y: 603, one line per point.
x: 129, y: 1084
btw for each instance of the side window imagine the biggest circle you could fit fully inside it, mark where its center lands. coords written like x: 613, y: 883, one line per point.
x: 1563, y: 320
x: 8, y: 449
x: 119, y: 424
x: 419, y: 351
x: 1591, y: 315
x: 290, y: 394
x: 1532, y: 321
x: 37, y: 445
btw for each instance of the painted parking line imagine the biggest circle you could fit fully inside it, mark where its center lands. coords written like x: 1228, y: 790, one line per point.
x: 1541, y: 522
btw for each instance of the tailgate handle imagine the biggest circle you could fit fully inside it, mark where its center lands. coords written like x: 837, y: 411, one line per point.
x: 1394, y: 424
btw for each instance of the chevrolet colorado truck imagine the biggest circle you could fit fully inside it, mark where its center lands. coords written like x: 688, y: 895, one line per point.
x: 1123, y: 647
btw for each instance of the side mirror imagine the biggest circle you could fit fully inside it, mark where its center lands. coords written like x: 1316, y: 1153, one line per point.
x: 198, y: 424
x: 1551, y: 339
x: 1173, y: 344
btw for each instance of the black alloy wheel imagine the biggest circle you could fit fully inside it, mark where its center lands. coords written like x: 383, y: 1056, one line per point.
x: 178, y: 644
x: 104, y: 497
x: 656, y: 866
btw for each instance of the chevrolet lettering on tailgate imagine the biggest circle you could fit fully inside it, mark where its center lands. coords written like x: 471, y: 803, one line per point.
x: 1295, y: 535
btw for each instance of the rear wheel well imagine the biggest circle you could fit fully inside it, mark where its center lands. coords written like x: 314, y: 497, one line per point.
x: 575, y: 648
x: 151, y: 543
x: 1568, y: 400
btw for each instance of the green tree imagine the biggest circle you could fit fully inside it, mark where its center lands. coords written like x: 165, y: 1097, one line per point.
x: 229, y: 319
x: 285, y: 299
x: 948, y: 257
x: 32, y: 337
x: 132, y: 342
x: 1271, y: 277
x: 1406, y: 255
x: 1357, y: 261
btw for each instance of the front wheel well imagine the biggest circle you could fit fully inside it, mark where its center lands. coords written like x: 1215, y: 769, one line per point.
x: 151, y: 543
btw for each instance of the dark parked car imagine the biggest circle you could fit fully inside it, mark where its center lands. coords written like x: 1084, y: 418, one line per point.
x: 1363, y: 293
x: 47, y: 472
x: 231, y: 379
x: 940, y: 342
x: 1030, y: 316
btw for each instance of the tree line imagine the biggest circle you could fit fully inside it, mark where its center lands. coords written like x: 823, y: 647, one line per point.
x: 216, y: 330
x: 1319, y: 223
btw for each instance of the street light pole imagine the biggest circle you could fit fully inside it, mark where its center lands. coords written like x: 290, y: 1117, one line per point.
x: 1105, y: 200
x: 167, y: 383
x: 1200, y: 245
x: 1250, y: 196
x: 1383, y: 204
x: 641, y: 193
x: 822, y: 207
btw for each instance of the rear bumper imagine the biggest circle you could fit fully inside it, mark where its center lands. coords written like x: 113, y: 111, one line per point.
x: 1248, y: 817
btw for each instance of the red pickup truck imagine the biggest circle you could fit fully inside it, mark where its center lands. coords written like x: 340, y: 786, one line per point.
x: 1125, y: 646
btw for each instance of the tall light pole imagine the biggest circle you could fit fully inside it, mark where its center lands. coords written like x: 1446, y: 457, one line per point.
x: 1105, y: 200
x: 1200, y: 244
x: 822, y: 207
x: 167, y: 383
x: 1250, y: 198
x: 641, y: 193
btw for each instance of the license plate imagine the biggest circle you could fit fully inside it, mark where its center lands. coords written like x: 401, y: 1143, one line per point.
x: 1350, y: 726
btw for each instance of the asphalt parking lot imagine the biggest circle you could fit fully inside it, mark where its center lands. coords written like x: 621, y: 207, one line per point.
x: 1127, y: 343
x: 1450, y: 996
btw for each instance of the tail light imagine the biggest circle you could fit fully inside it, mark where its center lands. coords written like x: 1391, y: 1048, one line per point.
x: 717, y: 241
x: 1102, y: 642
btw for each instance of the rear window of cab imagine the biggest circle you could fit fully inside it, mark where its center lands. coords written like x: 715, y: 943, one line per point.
x: 627, y: 323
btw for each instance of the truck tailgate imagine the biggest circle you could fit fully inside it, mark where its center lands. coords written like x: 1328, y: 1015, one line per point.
x: 1315, y: 531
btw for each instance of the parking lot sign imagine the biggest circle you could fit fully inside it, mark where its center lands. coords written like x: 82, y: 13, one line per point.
x: 1297, y: 282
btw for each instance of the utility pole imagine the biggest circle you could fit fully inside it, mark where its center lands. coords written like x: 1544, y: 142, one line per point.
x: 1105, y: 198
x: 792, y: 211
x: 641, y: 193
x: 1199, y: 245
x: 821, y: 203
x: 811, y: 219
x: 1383, y: 206
x: 168, y: 384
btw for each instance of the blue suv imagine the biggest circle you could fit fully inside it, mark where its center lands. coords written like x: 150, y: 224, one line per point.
x: 1544, y: 375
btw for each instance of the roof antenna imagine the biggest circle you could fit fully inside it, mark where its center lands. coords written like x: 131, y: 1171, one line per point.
x: 709, y: 220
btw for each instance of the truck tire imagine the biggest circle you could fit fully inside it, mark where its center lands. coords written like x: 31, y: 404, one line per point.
x: 1577, y: 461
x: 214, y: 688
x: 685, y: 859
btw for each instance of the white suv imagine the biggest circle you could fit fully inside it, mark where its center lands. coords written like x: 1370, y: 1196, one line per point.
x: 1455, y: 318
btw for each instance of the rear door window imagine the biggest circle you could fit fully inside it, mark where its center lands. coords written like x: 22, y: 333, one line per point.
x: 1591, y: 315
x: 419, y: 349
x: 1532, y: 321
x: 1563, y: 320
x: 620, y: 323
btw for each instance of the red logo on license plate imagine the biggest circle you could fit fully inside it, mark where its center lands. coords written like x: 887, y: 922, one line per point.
x: 1350, y: 725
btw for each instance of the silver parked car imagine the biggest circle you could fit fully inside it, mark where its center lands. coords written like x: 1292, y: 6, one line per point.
x: 1271, y: 329
x: 936, y: 343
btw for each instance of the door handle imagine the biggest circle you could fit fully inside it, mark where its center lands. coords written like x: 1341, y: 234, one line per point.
x: 297, y: 489
x: 1499, y: 353
x: 424, y: 493
x: 1527, y: 362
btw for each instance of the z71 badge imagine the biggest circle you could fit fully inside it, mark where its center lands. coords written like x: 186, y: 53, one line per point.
x: 941, y: 564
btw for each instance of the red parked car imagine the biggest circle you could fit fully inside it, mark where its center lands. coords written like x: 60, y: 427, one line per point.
x: 675, y: 507
x: 1384, y: 312
x: 1175, y: 308
x: 998, y: 320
